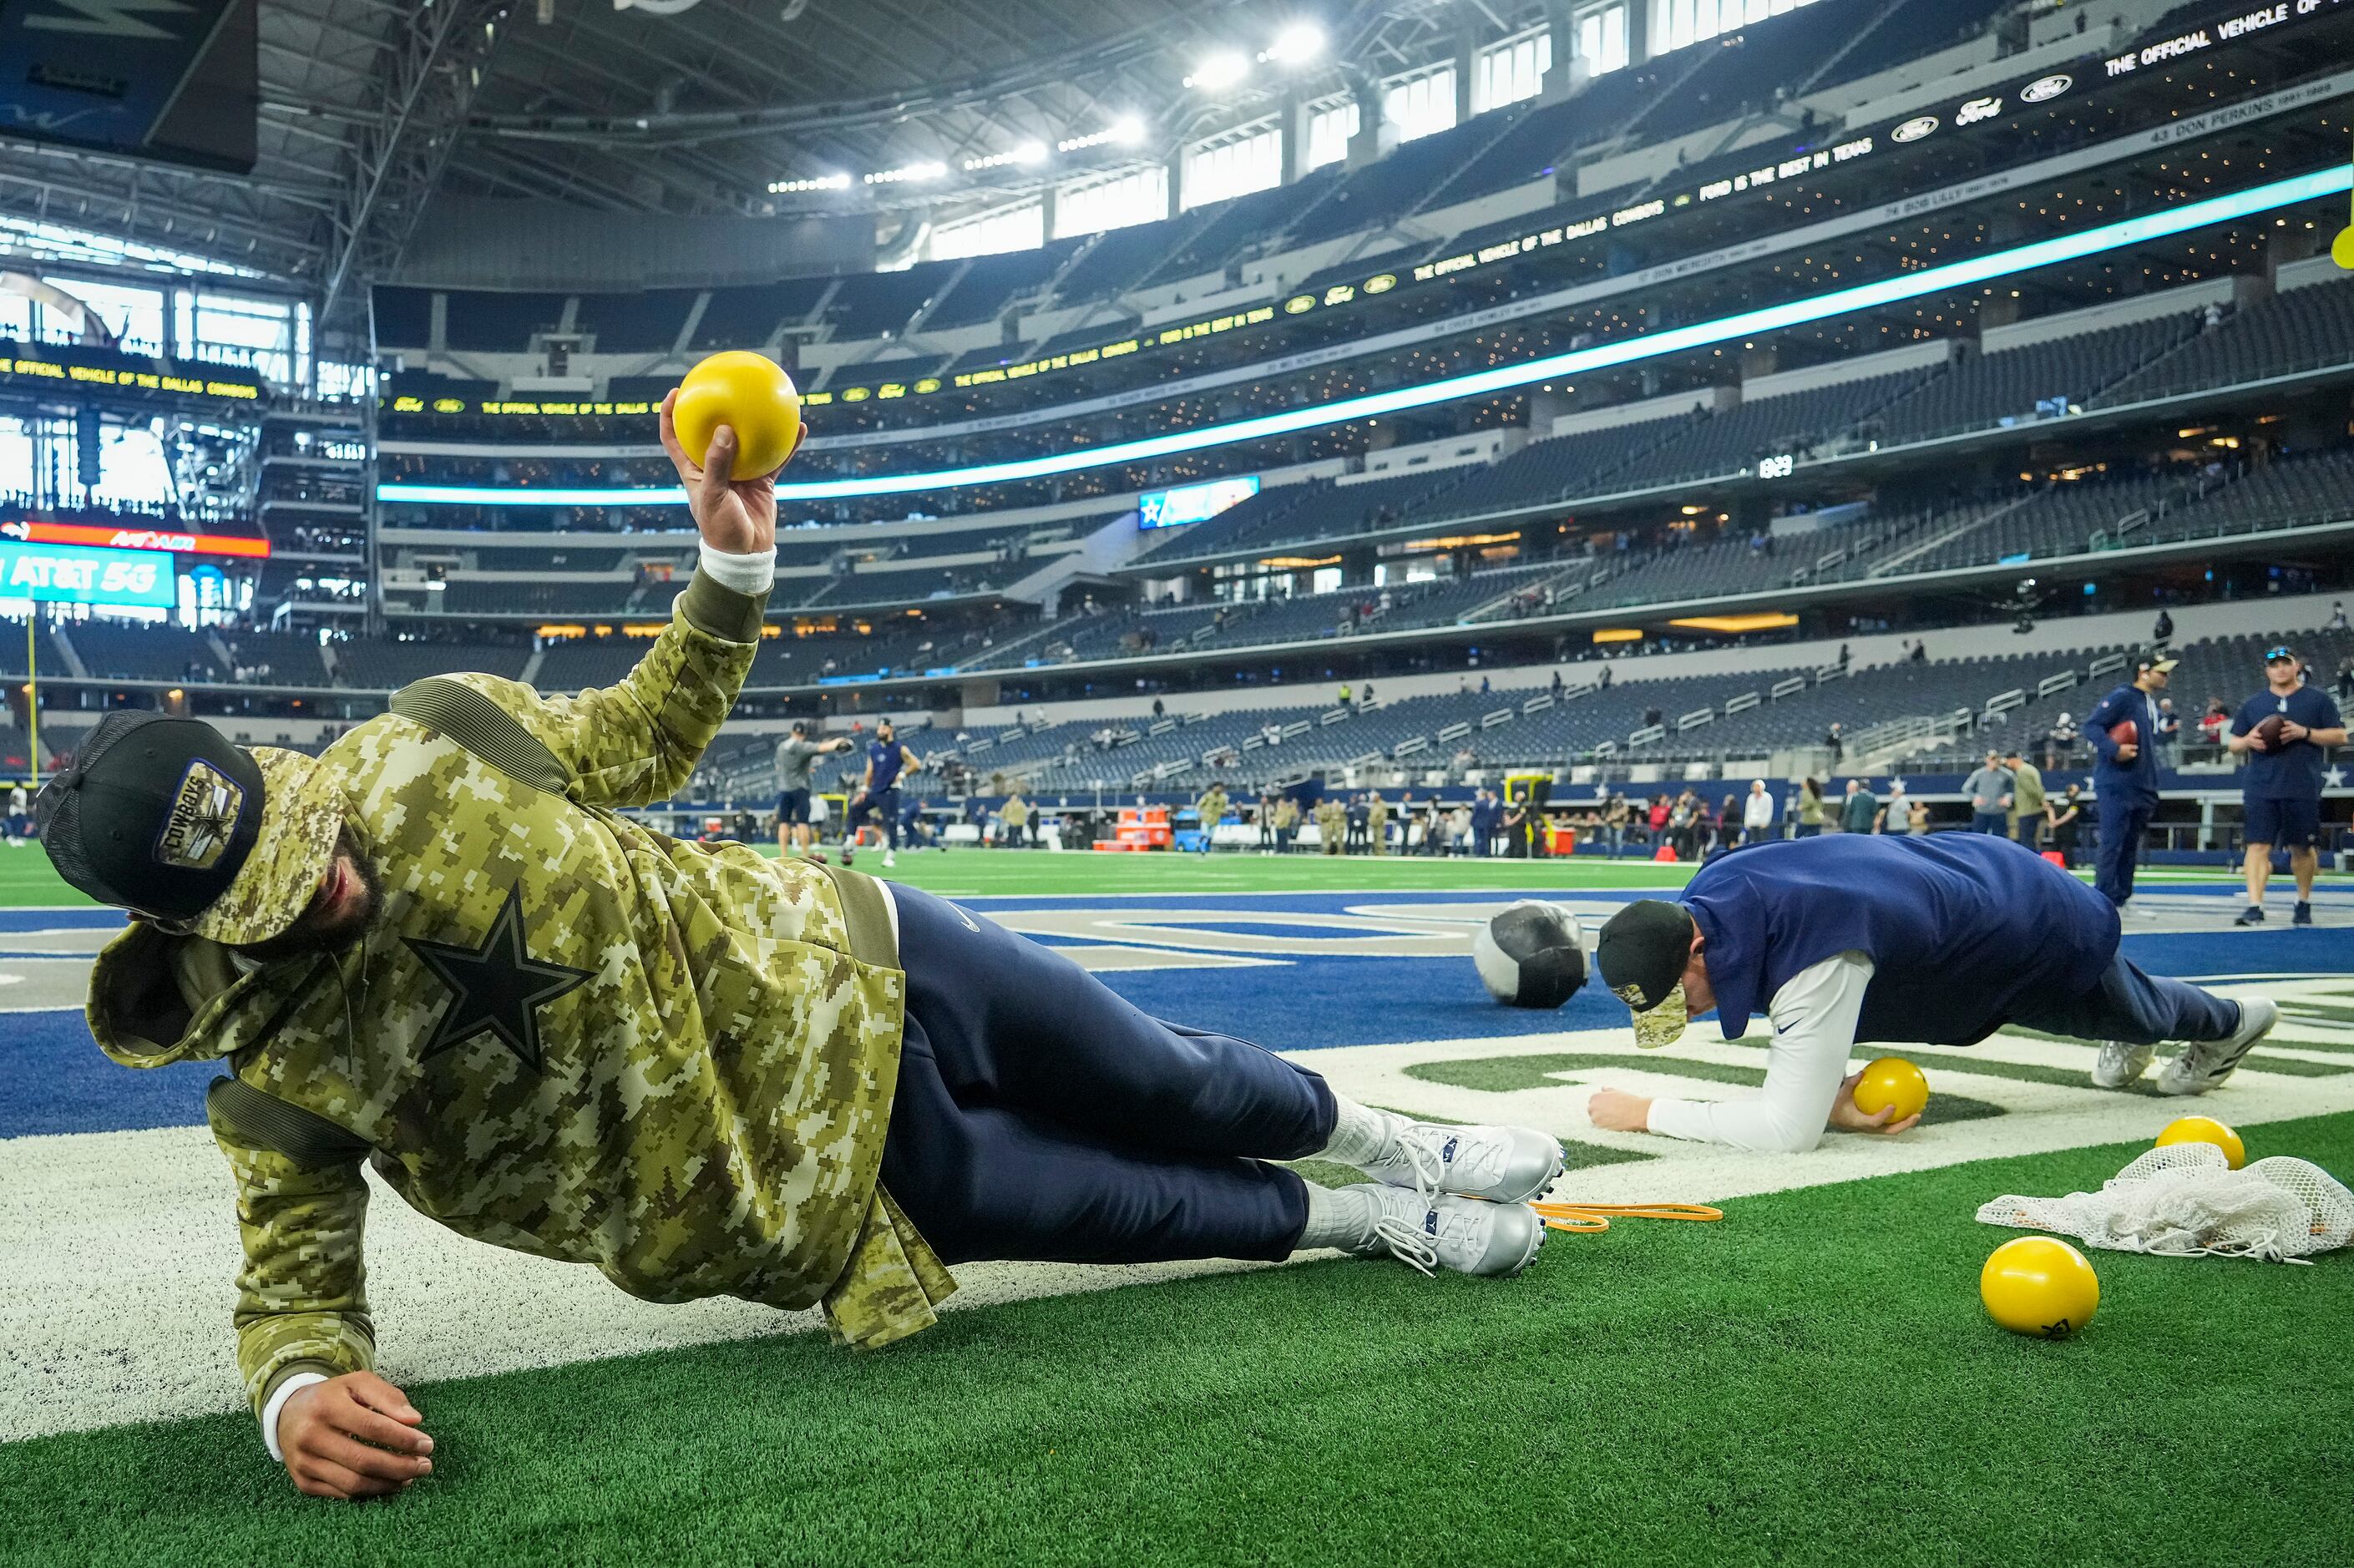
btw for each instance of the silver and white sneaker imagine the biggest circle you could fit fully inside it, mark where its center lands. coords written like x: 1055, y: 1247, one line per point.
x: 2120, y: 1065
x: 1501, y: 1164
x: 1463, y: 1235
x: 2205, y: 1063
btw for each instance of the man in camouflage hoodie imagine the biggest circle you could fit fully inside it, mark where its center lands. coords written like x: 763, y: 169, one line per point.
x: 440, y: 951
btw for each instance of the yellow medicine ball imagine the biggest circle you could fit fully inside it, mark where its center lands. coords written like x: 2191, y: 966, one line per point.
x: 2039, y: 1286
x: 2205, y: 1129
x: 751, y: 394
x: 1891, y: 1081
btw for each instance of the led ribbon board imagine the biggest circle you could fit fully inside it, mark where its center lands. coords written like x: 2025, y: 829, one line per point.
x: 1477, y: 384
x: 71, y: 574
x: 109, y: 537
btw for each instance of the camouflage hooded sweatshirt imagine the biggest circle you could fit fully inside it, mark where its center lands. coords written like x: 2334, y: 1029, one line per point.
x: 562, y: 1032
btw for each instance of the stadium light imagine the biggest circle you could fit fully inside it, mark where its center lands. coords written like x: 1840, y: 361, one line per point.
x: 932, y: 171
x: 1128, y: 130
x: 1028, y: 152
x: 1481, y: 383
x: 1296, y: 45
x: 1219, y: 71
x: 813, y: 183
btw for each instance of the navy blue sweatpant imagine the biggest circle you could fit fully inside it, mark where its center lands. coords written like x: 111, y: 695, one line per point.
x: 1039, y: 1116
x: 2124, y: 820
x: 2129, y: 1005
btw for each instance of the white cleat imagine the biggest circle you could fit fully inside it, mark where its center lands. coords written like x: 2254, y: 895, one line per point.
x: 890, y: 859
x: 1462, y: 1235
x: 1501, y: 1164
x: 2121, y: 1064
x: 2205, y: 1063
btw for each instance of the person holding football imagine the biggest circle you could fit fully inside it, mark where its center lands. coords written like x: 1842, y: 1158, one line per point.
x: 2280, y: 731
x: 2122, y: 730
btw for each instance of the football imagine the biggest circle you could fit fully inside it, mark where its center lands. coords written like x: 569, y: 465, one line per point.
x: 1532, y: 954
x: 2268, y: 734
x: 2126, y: 732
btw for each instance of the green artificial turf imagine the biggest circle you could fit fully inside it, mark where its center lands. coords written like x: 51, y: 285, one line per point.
x: 1811, y: 1380
x: 26, y: 877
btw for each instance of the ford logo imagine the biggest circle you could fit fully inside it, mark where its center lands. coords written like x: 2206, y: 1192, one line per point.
x: 1913, y: 129
x: 2045, y: 87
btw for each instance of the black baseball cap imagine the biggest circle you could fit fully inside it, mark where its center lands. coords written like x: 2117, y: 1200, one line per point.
x: 1642, y: 953
x: 2277, y: 652
x: 2163, y: 663
x: 155, y: 814
x: 160, y: 816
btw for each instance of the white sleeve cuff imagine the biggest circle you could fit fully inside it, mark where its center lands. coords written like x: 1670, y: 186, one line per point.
x: 278, y: 1398
x: 753, y: 573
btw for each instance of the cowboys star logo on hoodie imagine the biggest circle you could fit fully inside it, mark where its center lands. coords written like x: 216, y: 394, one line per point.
x: 204, y: 813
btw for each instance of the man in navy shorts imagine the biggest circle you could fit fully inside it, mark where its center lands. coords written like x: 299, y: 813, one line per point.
x: 878, y: 792
x: 796, y: 757
x: 2282, y: 793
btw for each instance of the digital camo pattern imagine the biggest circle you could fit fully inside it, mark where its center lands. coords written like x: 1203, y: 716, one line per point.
x: 301, y: 810
x: 708, y: 1112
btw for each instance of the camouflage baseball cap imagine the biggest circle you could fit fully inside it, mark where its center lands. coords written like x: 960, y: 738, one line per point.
x: 169, y: 819
x: 1642, y: 953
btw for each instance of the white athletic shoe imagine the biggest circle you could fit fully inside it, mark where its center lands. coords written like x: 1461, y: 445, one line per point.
x: 2121, y: 1064
x: 1501, y: 1164
x: 890, y: 859
x: 2205, y: 1063
x: 1461, y: 1235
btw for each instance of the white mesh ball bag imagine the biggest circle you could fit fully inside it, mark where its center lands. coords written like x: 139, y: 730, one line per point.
x: 2186, y: 1200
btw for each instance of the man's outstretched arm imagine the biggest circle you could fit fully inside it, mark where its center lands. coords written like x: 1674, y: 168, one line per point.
x: 637, y: 742
x: 1808, y: 1087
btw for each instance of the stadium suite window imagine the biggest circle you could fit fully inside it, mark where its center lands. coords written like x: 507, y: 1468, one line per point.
x: 1512, y: 70
x: 1245, y: 159
x: 1676, y: 22
x: 1021, y: 226
x: 1420, y: 105
x: 1602, y: 39
x: 1331, y: 123
x: 1090, y: 206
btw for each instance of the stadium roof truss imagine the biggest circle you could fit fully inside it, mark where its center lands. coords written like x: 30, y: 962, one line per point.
x: 364, y: 104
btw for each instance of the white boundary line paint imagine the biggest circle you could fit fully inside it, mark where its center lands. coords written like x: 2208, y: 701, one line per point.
x: 115, y: 1307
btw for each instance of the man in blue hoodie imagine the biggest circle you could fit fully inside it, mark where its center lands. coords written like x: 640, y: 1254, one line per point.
x: 2124, y: 774
x: 1940, y: 938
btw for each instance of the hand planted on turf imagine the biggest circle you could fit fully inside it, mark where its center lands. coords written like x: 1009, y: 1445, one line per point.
x: 352, y: 1436
x: 1615, y: 1110
x: 1848, y: 1116
x: 738, y: 515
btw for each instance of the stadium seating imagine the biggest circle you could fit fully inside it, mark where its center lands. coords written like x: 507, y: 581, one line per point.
x: 2001, y: 387
x: 2305, y: 329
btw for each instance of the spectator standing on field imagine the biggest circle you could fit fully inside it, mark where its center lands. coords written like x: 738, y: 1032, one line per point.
x: 2026, y: 799
x: 1757, y: 814
x: 1857, y: 812
x: 2065, y: 815
x: 2280, y: 790
x: 1015, y: 814
x: 1810, y: 807
x: 1377, y: 824
x: 1990, y: 792
x: 1890, y: 818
